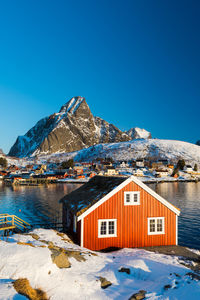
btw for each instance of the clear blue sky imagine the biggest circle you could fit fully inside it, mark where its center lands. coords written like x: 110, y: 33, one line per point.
x: 137, y: 63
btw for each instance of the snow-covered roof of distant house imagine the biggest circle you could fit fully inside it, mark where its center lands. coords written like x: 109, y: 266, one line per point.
x: 90, y: 193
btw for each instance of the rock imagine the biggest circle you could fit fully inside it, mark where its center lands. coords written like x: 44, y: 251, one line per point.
x: 198, y: 143
x: 104, y: 283
x: 193, y: 276
x: 177, y: 275
x: 65, y: 237
x: 50, y: 244
x: 73, y: 128
x: 138, y: 296
x: 26, y: 244
x: 167, y: 287
x: 75, y: 254
x: 125, y: 270
x: 34, y: 236
x: 54, y: 247
x: 60, y: 259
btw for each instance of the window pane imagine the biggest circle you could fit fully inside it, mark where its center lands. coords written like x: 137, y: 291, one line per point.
x: 135, y: 198
x: 103, y: 228
x: 128, y: 198
x: 159, y: 225
x: 111, y: 227
x: 152, y: 226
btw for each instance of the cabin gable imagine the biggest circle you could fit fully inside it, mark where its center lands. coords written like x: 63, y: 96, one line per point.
x: 132, y: 229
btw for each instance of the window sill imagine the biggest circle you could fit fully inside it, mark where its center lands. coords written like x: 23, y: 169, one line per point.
x: 155, y: 233
x: 107, y: 236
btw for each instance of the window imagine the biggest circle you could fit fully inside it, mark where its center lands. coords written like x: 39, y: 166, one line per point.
x: 107, y: 228
x: 131, y: 198
x: 156, y: 225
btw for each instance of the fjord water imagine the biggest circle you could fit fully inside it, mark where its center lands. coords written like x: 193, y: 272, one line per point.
x: 186, y: 196
x: 34, y: 204
x: 40, y: 205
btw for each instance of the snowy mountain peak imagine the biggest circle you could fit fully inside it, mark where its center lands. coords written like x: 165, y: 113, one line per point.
x: 73, y: 128
x: 138, y: 133
x: 72, y: 105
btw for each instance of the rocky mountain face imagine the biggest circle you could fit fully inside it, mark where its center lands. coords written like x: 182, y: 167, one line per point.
x: 71, y: 129
x: 198, y: 143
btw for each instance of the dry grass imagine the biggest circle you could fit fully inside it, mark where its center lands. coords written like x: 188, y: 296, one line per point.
x: 25, y: 244
x: 22, y: 286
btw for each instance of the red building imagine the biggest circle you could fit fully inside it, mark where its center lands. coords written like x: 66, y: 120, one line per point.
x: 119, y: 212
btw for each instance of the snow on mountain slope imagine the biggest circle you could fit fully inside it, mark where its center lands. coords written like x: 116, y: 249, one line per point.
x: 138, y: 133
x: 151, y: 149
x: 72, y: 128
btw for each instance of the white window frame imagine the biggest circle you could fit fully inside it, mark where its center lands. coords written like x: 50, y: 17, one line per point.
x: 107, y: 234
x: 156, y: 232
x: 132, y: 198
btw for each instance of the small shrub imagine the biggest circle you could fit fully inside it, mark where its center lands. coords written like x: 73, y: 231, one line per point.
x: 22, y: 286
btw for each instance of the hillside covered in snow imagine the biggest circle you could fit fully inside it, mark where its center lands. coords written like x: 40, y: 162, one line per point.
x: 151, y: 149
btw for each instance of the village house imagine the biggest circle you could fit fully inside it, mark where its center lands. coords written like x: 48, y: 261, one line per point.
x: 188, y: 169
x: 124, y: 168
x: 111, y: 171
x: 119, y: 212
x: 78, y: 169
x: 161, y: 173
x: 138, y: 172
x: 139, y: 163
x: 123, y: 164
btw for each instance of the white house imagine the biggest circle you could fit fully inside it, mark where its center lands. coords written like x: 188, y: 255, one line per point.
x: 139, y: 163
x: 188, y: 169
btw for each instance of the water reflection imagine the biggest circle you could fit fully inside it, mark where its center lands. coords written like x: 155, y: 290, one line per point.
x: 40, y: 204
x: 35, y: 204
x: 186, y: 196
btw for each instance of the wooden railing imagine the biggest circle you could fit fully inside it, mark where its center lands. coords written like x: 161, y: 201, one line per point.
x: 12, y: 221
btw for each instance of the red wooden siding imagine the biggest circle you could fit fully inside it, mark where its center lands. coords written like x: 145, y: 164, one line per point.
x: 132, y: 222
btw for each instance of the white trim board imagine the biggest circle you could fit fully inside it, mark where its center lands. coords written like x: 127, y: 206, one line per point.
x: 121, y: 186
x: 176, y: 230
x: 82, y: 234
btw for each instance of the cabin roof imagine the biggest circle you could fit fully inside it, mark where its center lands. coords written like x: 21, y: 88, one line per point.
x: 91, y: 192
x: 83, y: 200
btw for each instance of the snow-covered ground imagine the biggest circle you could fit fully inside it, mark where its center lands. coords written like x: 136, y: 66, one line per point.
x: 152, y: 149
x: 148, y: 271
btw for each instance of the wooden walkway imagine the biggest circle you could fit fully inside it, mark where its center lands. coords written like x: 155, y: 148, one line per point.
x: 6, y: 226
x: 12, y: 222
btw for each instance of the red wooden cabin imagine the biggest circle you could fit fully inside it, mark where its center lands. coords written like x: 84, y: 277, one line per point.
x: 119, y: 212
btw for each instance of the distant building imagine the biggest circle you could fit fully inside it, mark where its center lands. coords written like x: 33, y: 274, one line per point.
x: 139, y: 163
x: 110, y: 171
x: 188, y: 169
x: 138, y: 173
x: 161, y: 173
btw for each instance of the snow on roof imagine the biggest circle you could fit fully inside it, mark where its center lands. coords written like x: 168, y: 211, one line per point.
x: 90, y: 193
x: 101, y: 188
